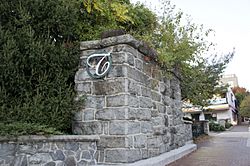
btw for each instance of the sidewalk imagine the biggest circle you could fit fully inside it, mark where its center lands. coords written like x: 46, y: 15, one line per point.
x: 229, y: 148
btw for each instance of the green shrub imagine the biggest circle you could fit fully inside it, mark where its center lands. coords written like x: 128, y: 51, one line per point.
x: 17, y: 128
x: 215, y: 126
x: 38, y: 61
x: 228, y: 125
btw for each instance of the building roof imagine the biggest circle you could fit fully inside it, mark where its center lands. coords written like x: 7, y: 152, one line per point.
x: 219, y: 107
x: 191, y: 110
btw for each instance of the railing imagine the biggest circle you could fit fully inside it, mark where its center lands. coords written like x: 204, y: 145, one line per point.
x: 197, y: 129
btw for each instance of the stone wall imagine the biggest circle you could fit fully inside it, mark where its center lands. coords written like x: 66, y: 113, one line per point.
x: 48, y: 151
x: 135, y: 110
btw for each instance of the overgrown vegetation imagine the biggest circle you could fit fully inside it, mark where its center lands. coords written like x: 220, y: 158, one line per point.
x: 245, y: 107
x: 228, y: 125
x: 20, y: 128
x: 37, y: 66
x: 38, y: 55
x: 213, y: 126
x: 243, y: 101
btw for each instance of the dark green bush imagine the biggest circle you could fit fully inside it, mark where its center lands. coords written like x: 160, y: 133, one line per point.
x: 215, y: 126
x: 16, y: 128
x: 38, y: 59
x: 228, y: 125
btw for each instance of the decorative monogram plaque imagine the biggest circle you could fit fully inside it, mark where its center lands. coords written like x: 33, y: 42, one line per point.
x: 98, y: 65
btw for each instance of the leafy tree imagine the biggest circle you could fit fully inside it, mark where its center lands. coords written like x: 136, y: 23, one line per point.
x: 245, y: 107
x: 240, y: 93
x: 101, y: 15
x: 181, y: 45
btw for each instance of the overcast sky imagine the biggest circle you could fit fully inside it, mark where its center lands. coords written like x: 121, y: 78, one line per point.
x: 231, y: 21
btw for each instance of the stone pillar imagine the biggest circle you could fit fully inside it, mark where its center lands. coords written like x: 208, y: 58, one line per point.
x: 206, y: 126
x: 202, y: 116
x: 135, y: 110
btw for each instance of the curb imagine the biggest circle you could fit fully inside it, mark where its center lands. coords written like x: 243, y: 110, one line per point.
x: 165, y: 158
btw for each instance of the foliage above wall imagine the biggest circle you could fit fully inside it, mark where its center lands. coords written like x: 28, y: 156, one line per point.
x: 179, y: 42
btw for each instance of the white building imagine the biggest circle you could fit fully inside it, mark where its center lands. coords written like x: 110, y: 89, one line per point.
x: 223, y: 108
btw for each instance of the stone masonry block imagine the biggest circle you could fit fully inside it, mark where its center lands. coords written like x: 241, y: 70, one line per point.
x: 155, y: 96
x: 166, y: 120
x: 86, y: 53
x: 140, y: 114
x: 161, y: 108
x: 39, y: 159
x: 162, y: 87
x: 78, y: 116
x: 156, y: 72
x: 83, y: 87
x: 87, y: 128
x: 133, y: 88
x: 158, y: 121
x: 147, y: 68
x: 94, y: 44
x: 125, y: 48
x: 139, y: 64
x: 133, y: 101
x: 130, y: 142
x: 32, y: 149
x: 159, y: 130
x: 118, y: 71
x: 154, y: 84
x: 73, y: 146
x: 152, y: 152
x: 88, y: 114
x: 140, y: 141
x: 70, y: 161
x: 7, y: 149
x: 146, y: 127
x: 154, y: 142
x: 133, y: 127
x: 118, y: 57
x: 167, y: 100
x: 111, y: 114
x: 123, y: 155
x: 109, y: 87
x: 116, y: 101
x: 86, y: 155
x: 82, y: 75
x: 166, y: 138
x: 175, y: 87
x: 146, y: 102
x: 94, y: 102
x: 137, y: 76
x: 146, y: 92
x: 155, y: 112
x: 130, y: 59
x: 169, y: 110
x: 117, y: 128
x: 111, y: 142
